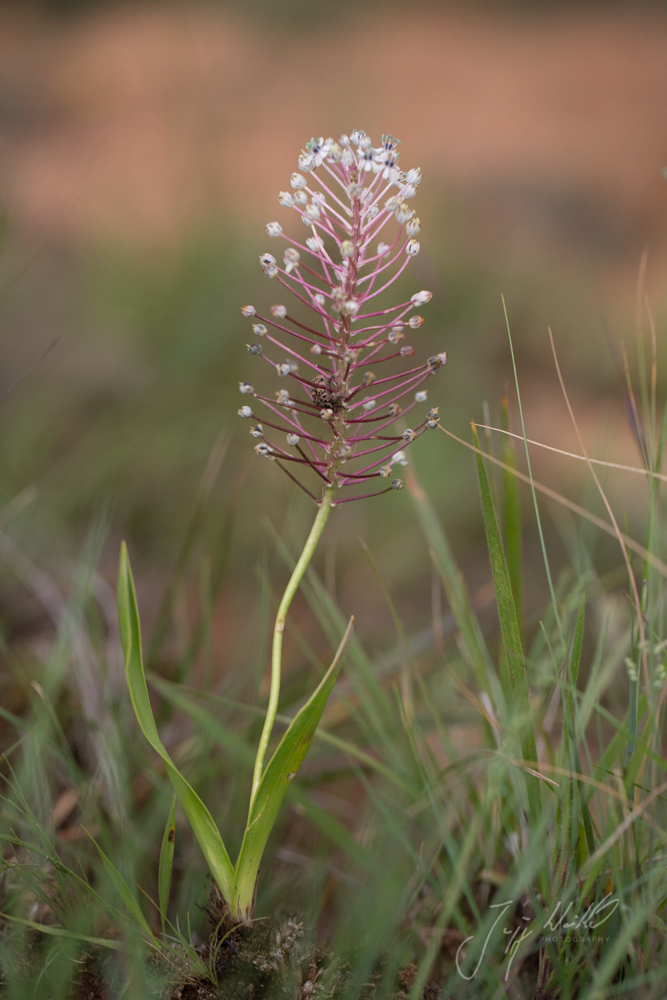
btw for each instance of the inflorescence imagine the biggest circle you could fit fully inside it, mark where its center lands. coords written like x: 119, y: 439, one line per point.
x: 336, y: 421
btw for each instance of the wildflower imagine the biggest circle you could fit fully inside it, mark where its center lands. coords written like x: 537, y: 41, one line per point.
x: 246, y: 388
x: 245, y: 411
x: 358, y: 205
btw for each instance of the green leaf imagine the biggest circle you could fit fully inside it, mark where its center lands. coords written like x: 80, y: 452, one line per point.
x: 203, y: 825
x: 513, y: 670
x: 166, y: 862
x: 124, y: 891
x: 272, y: 789
x: 512, y: 519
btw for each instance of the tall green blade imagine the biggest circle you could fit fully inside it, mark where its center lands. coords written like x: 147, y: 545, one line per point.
x: 124, y: 891
x: 512, y: 520
x: 272, y: 789
x: 203, y: 825
x: 166, y: 863
x: 513, y: 670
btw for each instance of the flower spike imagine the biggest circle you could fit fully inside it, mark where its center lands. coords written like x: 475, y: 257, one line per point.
x: 334, y: 423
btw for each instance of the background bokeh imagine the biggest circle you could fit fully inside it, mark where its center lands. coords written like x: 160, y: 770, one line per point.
x: 142, y: 147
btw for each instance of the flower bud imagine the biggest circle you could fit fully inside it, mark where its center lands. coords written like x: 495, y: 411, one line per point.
x: 254, y: 348
x: 266, y: 258
x: 245, y: 411
x: 293, y: 440
x: 421, y: 396
x: 407, y: 351
x: 415, y: 322
x: 421, y: 298
x: 413, y: 227
x: 279, y: 311
x: 350, y: 307
x: 297, y: 181
x: 383, y: 249
x: 284, y: 369
x: 257, y: 431
x: 246, y: 389
x: 395, y: 336
x: 271, y: 271
x: 347, y: 248
x: 369, y: 404
x: 248, y: 311
x: 285, y: 199
x: 327, y: 413
x: 412, y: 249
x: 397, y: 484
x: 394, y: 410
x: 369, y: 378
x: 409, y: 192
x: 414, y: 176
x: 408, y: 435
x: 259, y: 329
x: 263, y: 449
x: 274, y: 228
x: 300, y: 198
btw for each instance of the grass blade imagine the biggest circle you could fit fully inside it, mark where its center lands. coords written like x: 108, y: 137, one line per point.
x: 203, y: 825
x: 124, y: 891
x: 513, y: 670
x: 275, y: 781
x: 166, y: 862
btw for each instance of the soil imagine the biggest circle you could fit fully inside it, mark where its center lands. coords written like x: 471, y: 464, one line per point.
x: 268, y: 960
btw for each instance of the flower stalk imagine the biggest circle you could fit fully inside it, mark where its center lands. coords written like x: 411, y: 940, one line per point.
x: 278, y: 632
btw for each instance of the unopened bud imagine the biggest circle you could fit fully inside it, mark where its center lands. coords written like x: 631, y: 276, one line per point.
x: 279, y: 311
x: 408, y: 435
x: 397, y: 484
x: 248, y: 311
x: 413, y: 248
x: 298, y: 181
x: 274, y: 228
x: 347, y: 248
x: 407, y: 351
x: 293, y: 440
x: 254, y: 348
x: 245, y: 411
x: 246, y: 388
x: 415, y: 322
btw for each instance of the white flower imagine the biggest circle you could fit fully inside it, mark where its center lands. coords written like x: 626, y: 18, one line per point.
x: 284, y: 369
x: 298, y: 181
x: 300, y: 198
x: 257, y: 431
x: 336, y: 153
x: 245, y: 411
x: 315, y: 153
x: 291, y: 259
x: 421, y: 298
x: 248, y: 311
x: 414, y: 176
x: 408, y: 435
x: 350, y: 307
x: 293, y: 440
x: 314, y: 243
x: 259, y: 329
x: 409, y: 192
x: 391, y: 204
x: 398, y: 458
x: 357, y: 136
x: 413, y: 248
x: 344, y: 140
x: 413, y: 227
x: 385, y: 164
x: 404, y: 213
x: 367, y: 159
x: 421, y: 396
x: 355, y: 191
x: 263, y: 449
x: 370, y: 404
x: 415, y: 322
x: 285, y: 199
x: 311, y: 213
x: 383, y: 249
x: 282, y: 397
x: 279, y: 311
x: 246, y: 389
x: 316, y: 349
x: 274, y: 228
x: 373, y: 211
x: 266, y: 258
x: 395, y: 336
x: 271, y: 270
x: 319, y: 298
x: 347, y: 248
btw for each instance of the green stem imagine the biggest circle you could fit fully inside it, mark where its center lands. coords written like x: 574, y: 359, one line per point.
x: 279, y: 628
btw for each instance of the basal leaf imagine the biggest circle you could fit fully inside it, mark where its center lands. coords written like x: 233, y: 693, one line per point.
x: 203, y: 825
x: 272, y: 789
